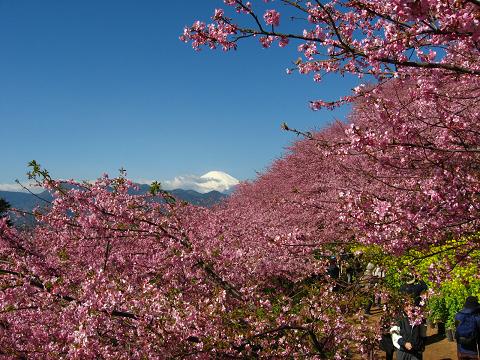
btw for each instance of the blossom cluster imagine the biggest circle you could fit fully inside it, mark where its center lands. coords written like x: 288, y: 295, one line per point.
x: 383, y: 39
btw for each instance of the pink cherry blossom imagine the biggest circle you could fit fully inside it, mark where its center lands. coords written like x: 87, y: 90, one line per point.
x: 272, y: 17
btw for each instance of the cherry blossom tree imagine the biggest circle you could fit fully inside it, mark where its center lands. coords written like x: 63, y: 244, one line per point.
x: 383, y: 39
x: 414, y: 126
x: 108, y: 274
x: 103, y: 274
x: 421, y: 147
x: 405, y: 173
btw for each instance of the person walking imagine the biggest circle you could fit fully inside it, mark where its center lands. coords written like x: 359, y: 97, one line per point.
x: 333, y: 270
x: 467, y: 334
x: 349, y: 271
x: 379, y: 275
x: 368, y: 283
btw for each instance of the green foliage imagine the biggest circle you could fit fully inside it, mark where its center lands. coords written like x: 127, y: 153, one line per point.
x: 37, y: 173
x: 63, y: 254
x: 458, y: 265
x: 437, y: 310
x: 452, y: 293
x: 455, y: 262
x: 155, y: 188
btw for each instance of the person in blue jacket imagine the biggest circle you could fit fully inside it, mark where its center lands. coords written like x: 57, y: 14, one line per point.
x: 467, y: 333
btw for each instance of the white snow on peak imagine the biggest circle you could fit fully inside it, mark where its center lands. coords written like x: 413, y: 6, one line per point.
x: 219, y: 179
x: 212, y: 180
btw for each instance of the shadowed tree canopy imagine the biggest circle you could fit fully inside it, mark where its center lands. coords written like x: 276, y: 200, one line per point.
x: 4, y: 206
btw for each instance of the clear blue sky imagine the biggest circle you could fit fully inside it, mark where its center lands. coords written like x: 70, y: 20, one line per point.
x: 87, y: 87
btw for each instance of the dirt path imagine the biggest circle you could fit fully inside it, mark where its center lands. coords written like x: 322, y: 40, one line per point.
x: 440, y: 348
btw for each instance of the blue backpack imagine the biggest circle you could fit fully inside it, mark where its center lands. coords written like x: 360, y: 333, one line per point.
x: 466, y: 333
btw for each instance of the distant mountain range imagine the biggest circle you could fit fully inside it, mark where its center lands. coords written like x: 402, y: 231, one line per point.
x: 27, y: 202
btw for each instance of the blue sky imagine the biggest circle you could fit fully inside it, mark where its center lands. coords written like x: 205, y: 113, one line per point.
x: 87, y: 87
